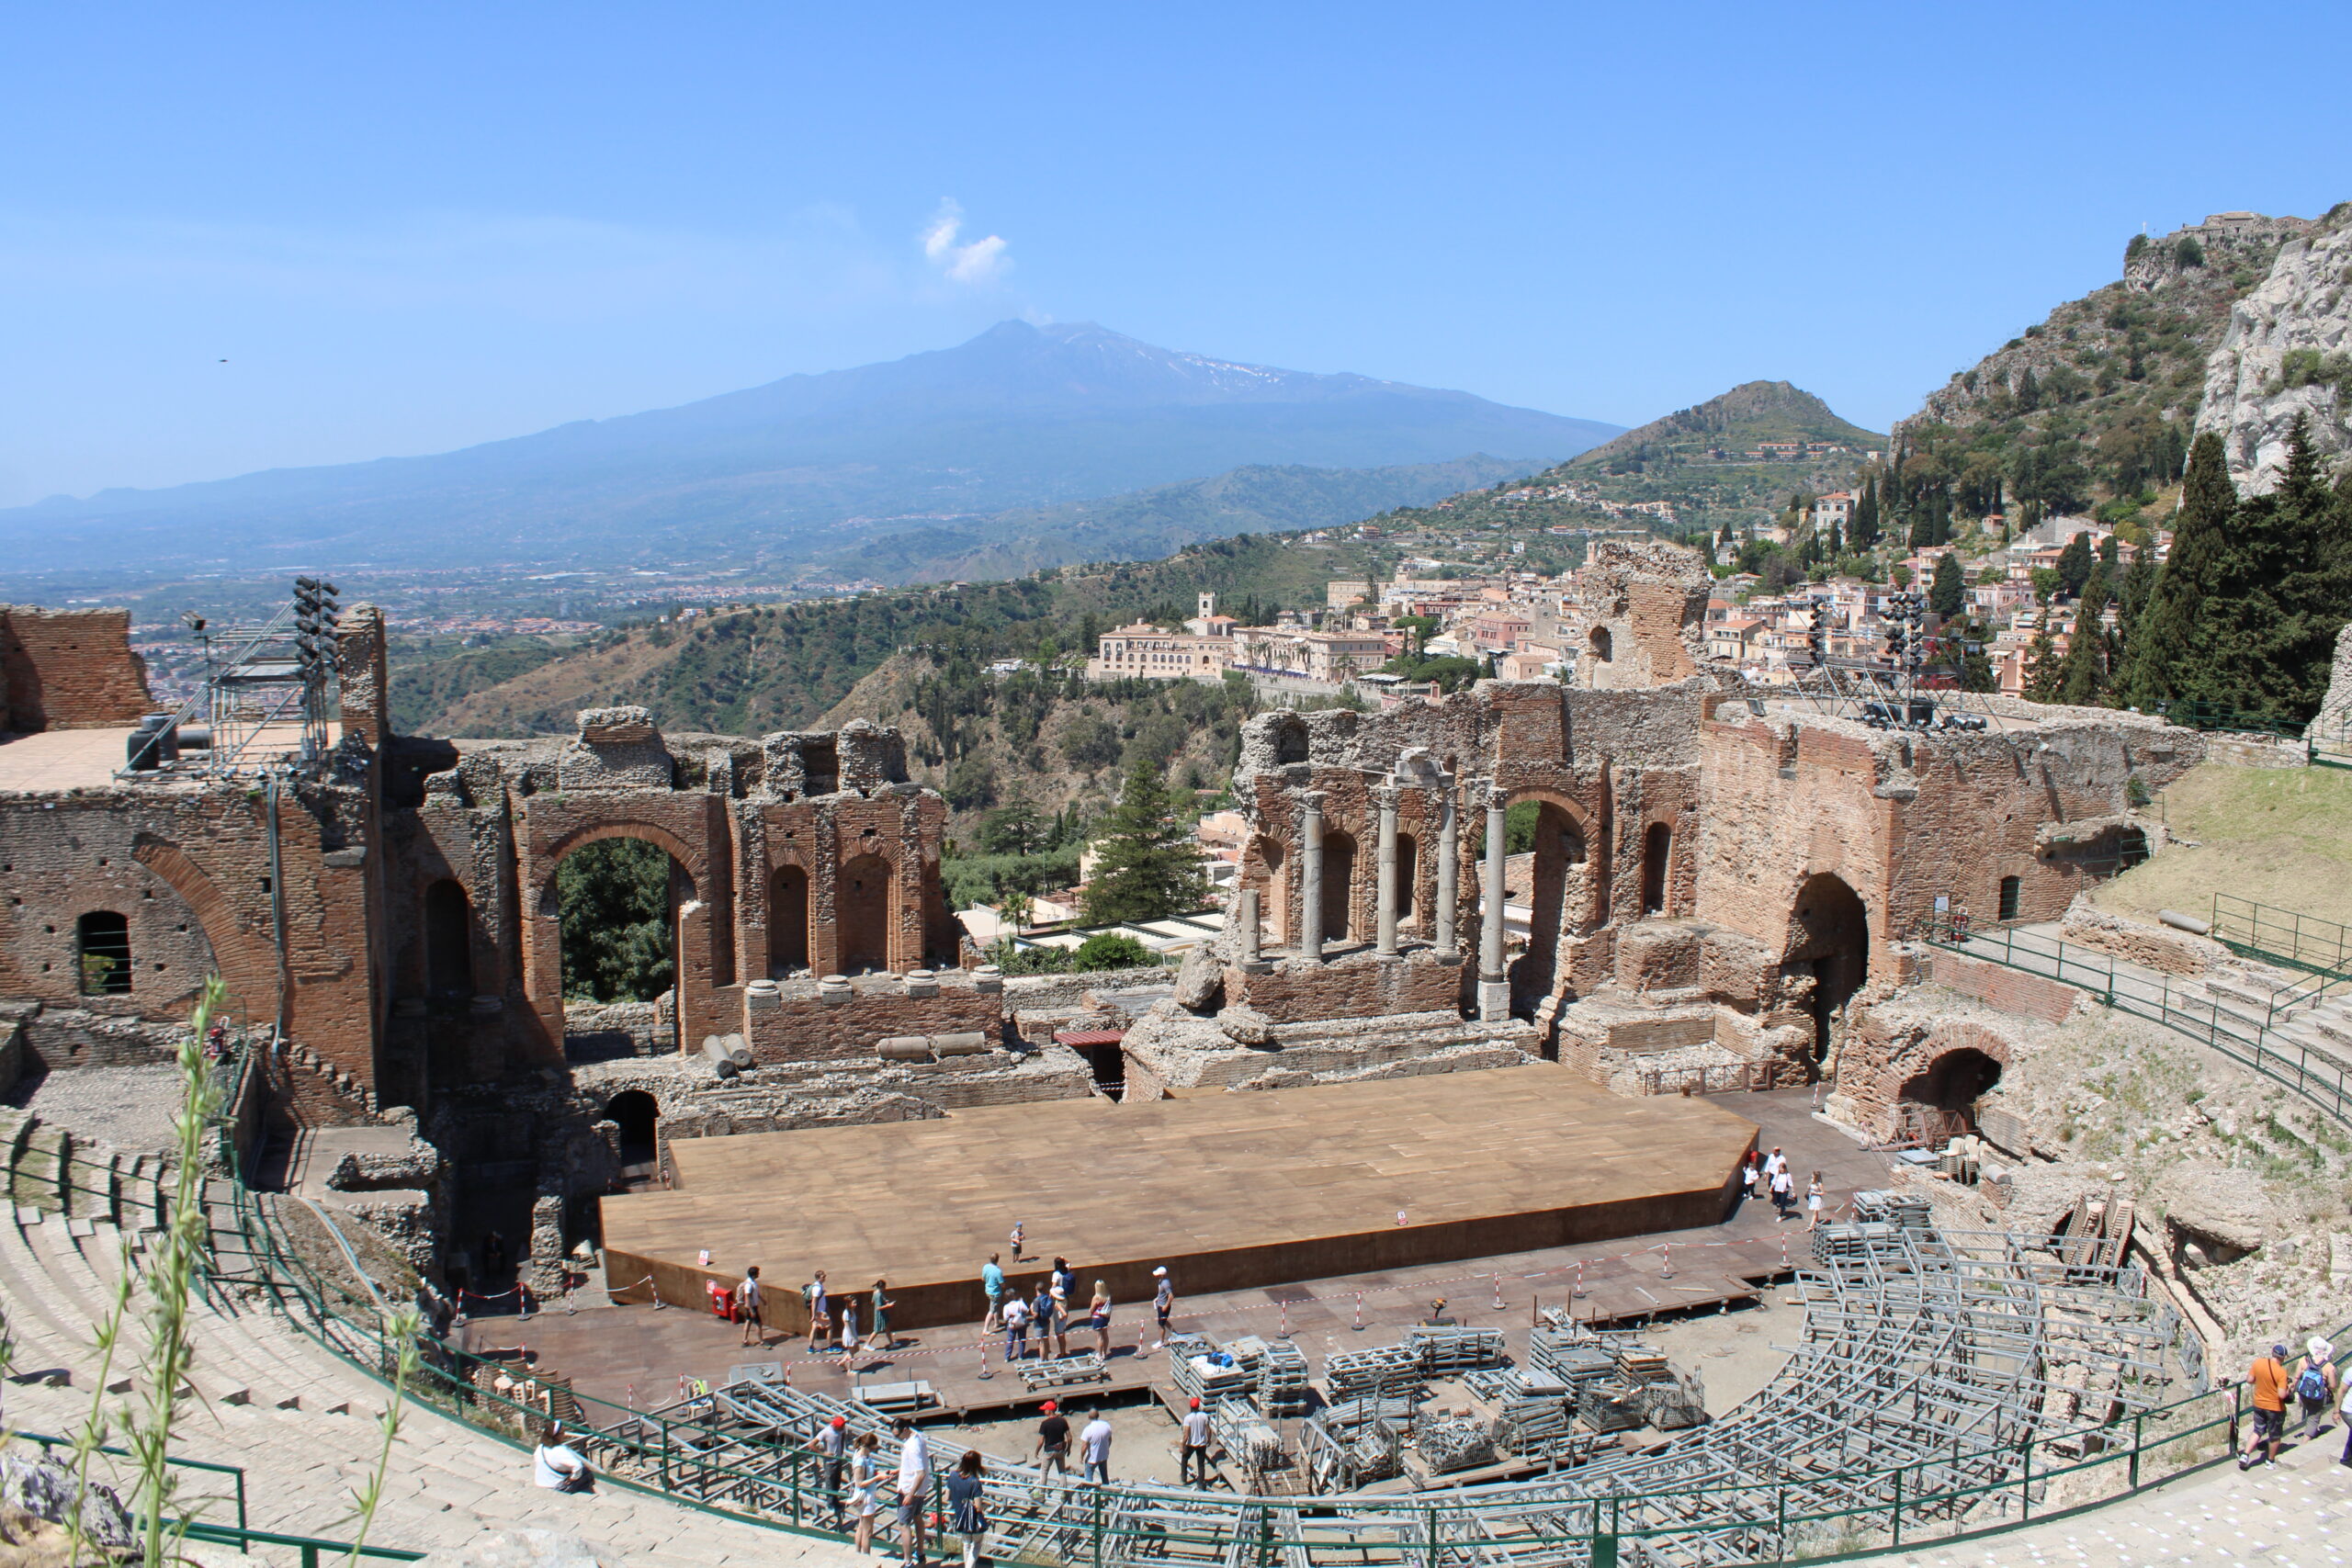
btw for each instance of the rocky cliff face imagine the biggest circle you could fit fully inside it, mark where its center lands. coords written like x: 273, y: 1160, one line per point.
x: 2134, y: 349
x: 2287, y: 351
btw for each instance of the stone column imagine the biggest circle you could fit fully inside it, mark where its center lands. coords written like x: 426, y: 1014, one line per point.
x: 1250, y: 962
x: 1310, y: 875
x: 1449, y: 875
x: 1386, y: 797
x: 1494, y: 985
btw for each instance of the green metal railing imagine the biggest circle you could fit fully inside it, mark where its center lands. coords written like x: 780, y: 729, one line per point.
x: 2286, y: 937
x: 48, y: 1441
x: 2213, y: 717
x: 2247, y: 1034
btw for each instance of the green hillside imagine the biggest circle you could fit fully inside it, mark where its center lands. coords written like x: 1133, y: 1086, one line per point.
x: 1728, y: 429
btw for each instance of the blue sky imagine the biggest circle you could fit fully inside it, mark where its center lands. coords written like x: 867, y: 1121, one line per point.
x: 411, y: 229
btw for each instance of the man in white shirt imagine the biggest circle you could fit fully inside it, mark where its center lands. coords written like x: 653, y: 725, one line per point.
x: 914, y: 1488
x: 747, y: 1306
x: 1095, y: 1444
x: 557, y: 1466
x: 1196, y: 1446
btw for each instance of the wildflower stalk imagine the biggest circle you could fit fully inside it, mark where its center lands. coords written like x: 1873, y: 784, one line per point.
x: 400, y: 1329
x: 170, y: 1278
x: 92, y: 1435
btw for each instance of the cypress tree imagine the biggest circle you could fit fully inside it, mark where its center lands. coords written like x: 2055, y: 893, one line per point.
x: 1145, y: 866
x: 2043, y: 672
x: 2083, y: 677
x: 1946, y: 592
x: 2166, y: 641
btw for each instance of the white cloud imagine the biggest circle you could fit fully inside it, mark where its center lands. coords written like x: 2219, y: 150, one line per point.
x: 977, y: 262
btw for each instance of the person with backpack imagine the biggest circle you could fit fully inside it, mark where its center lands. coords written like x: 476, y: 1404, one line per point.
x: 2268, y: 1382
x: 2317, y: 1387
x: 965, y: 1517
x: 821, y: 1317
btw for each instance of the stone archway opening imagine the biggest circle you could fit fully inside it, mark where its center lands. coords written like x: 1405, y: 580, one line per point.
x: 1552, y: 843
x: 1408, y: 874
x: 617, y: 901
x: 1604, y: 647
x: 788, y: 923
x: 1274, y: 907
x: 1658, y: 864
x: 1830, y: 941
x: 1953, y: 1082
x: 861, y: 908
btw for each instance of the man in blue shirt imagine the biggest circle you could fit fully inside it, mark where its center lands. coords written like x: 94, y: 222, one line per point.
x: 993, y: 1286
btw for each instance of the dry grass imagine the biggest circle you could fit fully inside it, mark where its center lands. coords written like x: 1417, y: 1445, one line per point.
x: 2280, y: 836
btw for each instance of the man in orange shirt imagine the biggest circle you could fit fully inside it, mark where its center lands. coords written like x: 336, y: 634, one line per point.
x: 2267, y: 1378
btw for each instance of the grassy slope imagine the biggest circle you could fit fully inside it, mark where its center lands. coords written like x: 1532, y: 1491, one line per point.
x: 2278, y: 836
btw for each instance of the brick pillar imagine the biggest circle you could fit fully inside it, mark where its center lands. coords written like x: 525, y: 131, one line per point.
x: 1494, y: 987
x: 1387, y: 797
x: 1449, y: 873
x: 1310, y: 877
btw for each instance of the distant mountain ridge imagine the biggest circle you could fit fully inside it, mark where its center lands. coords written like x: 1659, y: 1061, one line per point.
x: 1749, y: 413
x: 1020, y: 416
x: 1148, y: 524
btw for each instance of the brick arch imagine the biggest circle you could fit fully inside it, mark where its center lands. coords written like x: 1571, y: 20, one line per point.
x: 697, y: 870
x: 247, y: 965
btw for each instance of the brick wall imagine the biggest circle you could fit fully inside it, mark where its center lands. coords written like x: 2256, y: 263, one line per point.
x: 1358, y: 986
x: 68, y: 669
x: 806, y: 1029
x: 2010, y: 990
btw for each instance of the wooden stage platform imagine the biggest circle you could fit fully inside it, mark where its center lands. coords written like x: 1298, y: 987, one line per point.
x: 1229, y: 1191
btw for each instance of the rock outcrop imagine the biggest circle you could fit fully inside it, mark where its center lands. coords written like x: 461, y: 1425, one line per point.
x: 2287, y: 351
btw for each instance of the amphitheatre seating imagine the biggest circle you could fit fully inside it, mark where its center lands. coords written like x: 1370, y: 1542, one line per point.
x: 299, y: 1421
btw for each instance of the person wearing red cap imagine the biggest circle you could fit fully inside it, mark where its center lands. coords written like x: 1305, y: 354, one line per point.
x: 1196, y: 1446
x: 832, y: 1442
x: 1052, y: 1441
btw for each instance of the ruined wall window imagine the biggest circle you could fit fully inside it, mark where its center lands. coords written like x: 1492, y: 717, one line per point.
x: 1602, y: 647
x: 102, y: 952
x: 1408, y: 872
x: 2011, y: 887
x: 449, y: 939
x: 1657, y: 859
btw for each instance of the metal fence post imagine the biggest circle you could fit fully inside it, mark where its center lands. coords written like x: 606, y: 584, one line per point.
x: 1097, y: 1523
x: 2139, y: 1437
x: 2025, y: 1488
x: 1895, y: 1515
x: 1781, y: 1521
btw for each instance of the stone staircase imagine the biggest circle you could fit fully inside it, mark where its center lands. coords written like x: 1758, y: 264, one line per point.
x: 265, y: 1396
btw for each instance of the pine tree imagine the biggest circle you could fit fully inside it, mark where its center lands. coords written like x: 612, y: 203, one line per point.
x: 1145, y: 866
x: 2042, y: 667
x: 2082, y: 678
x: 2166, y: 640
x: 1863, y: 535
x: 2075, y: 563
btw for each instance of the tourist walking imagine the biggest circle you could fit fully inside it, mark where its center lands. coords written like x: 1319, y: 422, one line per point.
x: 1052, y: 1441
x: 849, y: 1330
x: 993, y: 1287
x: 1041, y: 1318
x: 964, y: 1512
x: 1058, y: 1318
x: 1774, y: 1163
x: 914, y: 1487
x: 1015, y: 1239
x: 1816, y: 1194
x: 866, y: 1488
x: 2266, y: 1379
x: 1195, y: 1451
x: 1098, y: 1318
x: 820, y: 1316
x: 1752, y: 1181
x: 1094, y: 1446
x: 883, y: 1338
x: 747, y: 1307
x: 1016, y: 1330
x: 1784, y: 1193
x: 832, y: 1443
x: 2316, y: 1386
x: 1163, y: 1303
